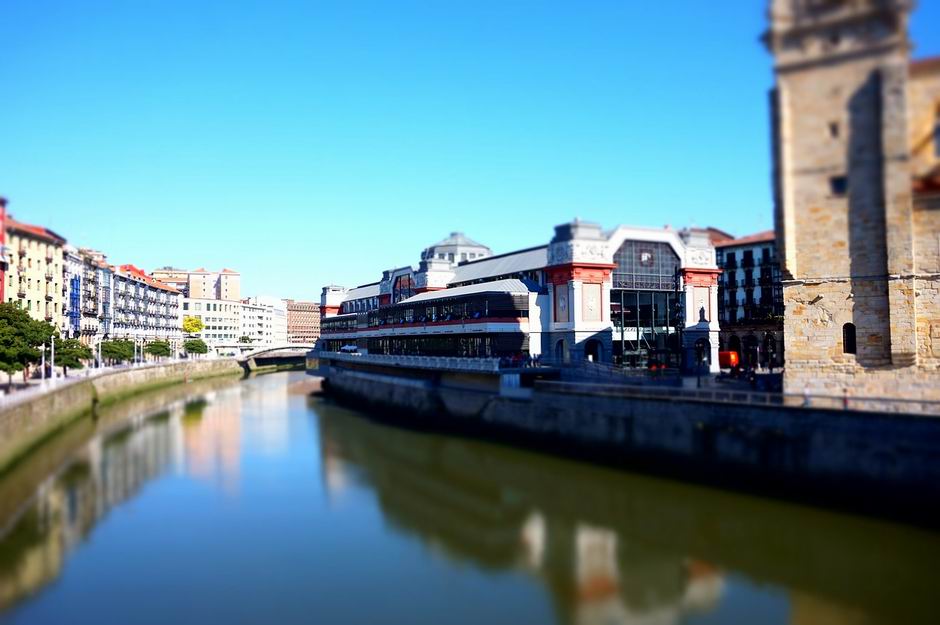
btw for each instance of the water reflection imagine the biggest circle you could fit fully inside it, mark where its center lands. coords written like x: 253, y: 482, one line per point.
x: 107, y: 461
x: 617, y: 548
x: 283, y: 508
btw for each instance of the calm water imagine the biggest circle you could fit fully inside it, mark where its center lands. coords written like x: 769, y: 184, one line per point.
x: 250, y: 502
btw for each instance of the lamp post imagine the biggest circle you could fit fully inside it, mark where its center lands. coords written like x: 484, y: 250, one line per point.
x: 52, y: 357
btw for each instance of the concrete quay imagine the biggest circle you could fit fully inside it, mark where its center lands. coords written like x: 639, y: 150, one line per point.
x: 877, y: 463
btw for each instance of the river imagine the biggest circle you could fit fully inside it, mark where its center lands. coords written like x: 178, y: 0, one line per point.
x: 254, y: 502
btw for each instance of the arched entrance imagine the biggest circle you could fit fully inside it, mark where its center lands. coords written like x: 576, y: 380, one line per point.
x: 703, y: 353
x: 593, y: 350
x: 561, y: 351
x: 770, y: 349
x: 751, y: 353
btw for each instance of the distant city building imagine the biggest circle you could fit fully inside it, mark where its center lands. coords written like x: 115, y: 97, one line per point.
x: 202, y: 284
x: 621, y: 295
x: 222, y: 322
x: 144, y: 309
x: 233, y: 327
x: 274, y: 318
x: 35, y: 274
x: 303, y: 321
x: 856, y: 135
x: 750, y: 299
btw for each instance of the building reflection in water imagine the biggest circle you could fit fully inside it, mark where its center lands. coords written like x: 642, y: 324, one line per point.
x: 212, y: 438
x: 615, y: 548
x: 200, y: 436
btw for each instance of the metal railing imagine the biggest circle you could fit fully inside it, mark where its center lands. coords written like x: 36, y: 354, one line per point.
x: 484, y: 365
x: 751, y: 398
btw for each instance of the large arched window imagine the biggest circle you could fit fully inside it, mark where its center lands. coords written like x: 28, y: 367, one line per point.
x: 645, y: 265
x: 848, y: 339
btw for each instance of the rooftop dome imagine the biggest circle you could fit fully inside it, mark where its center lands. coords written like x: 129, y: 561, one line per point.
x: 456, y: 248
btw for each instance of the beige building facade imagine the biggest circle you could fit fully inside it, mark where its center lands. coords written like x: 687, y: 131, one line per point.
x: 202, y: 284
x: 36, y: 271
x: 856, y: 134
x: 303, y: 322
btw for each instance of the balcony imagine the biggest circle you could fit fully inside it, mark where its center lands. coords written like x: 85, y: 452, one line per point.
x: 49, y: 275
x: 747, y: 262
x: 21, y: 292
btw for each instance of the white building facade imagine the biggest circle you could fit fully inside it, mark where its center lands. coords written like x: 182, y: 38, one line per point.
x: 144, y: 309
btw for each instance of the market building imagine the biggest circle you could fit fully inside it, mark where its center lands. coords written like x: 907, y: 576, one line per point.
x: 637, y: 296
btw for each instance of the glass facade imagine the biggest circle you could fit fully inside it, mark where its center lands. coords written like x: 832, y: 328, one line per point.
x: 645, y: 307
x: 645, y: 265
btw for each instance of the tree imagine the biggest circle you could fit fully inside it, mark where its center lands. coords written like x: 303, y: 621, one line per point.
x: 117, y: 351
x: 160, y: 349
x: 11, y: 345
x: 195, y: 346
x: 71, y: 353
x: 244, y: 339
x: 21, y: 337
x: 193, y: 325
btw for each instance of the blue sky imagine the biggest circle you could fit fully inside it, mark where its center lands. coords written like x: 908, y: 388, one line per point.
x: 312, y: 142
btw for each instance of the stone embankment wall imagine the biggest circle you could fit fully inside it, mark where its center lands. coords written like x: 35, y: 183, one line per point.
x: 24, y: 424
x: 884, y: 464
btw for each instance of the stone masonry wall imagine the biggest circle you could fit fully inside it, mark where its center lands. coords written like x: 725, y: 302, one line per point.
x: 868, y: 257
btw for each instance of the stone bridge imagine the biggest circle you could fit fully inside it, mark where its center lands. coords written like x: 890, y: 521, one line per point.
x: 290, y: 355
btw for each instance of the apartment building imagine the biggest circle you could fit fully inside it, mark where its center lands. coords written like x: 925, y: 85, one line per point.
x: 144, y: 309
x: 201, y: 283
x: 34, y: 278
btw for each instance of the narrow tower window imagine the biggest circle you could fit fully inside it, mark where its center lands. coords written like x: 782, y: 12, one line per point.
x: 936, y: 132
x: 834, y: 130
x: 848, y: 339
x: 839, y: 185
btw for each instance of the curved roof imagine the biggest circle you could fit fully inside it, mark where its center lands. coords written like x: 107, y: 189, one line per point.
x: 504, y: 264
x: 497, y: 286
x: 458, y: 238
x: 360, y: 292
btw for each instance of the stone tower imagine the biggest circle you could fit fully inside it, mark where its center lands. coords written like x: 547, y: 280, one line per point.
x: 844, y: 196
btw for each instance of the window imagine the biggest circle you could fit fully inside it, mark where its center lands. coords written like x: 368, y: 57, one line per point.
x: 834, y: 130
x: 848, y: 339
x: 839, y: 185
